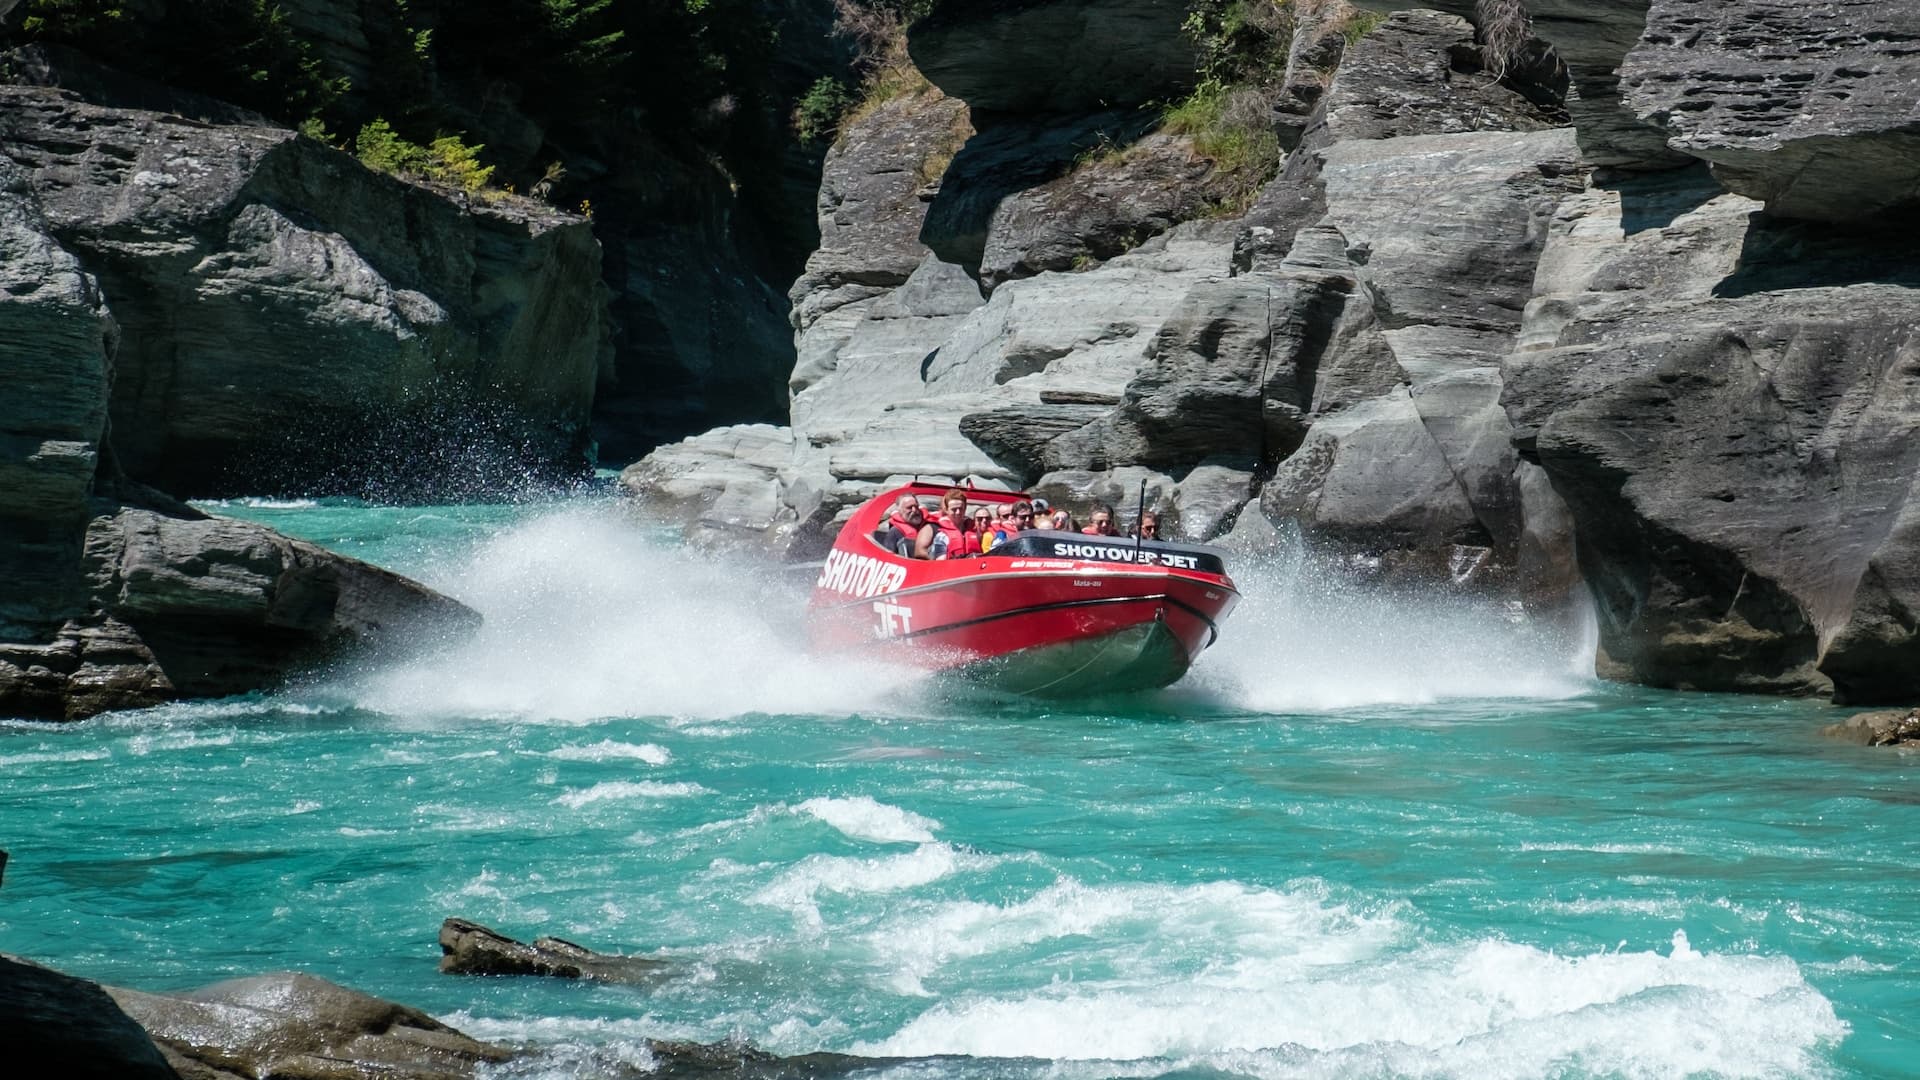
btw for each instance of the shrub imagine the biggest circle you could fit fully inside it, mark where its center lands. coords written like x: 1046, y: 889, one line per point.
x: 445, y: 160
x: 451, y: 161
x: 382, y: 149
x: 1229, y: 125
x: 879, y: 32
x: 817, y: 115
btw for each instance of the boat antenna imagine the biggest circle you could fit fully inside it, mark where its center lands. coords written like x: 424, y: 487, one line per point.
x: 1139, y: 534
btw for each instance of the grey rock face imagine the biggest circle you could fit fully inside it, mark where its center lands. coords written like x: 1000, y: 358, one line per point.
x: 1406, y: 452
x: 1097, y: 211
x: 56, y: 364
x: 1734, y: 436
x: 1809, y: 108
x: 1590, y: 37
x: 1418, y: 73
x: 1054, y: 55
x: 874, y: 189
x: 253, y: 336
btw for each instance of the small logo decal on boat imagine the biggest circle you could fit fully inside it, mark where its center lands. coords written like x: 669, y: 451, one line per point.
x: 859, y: 575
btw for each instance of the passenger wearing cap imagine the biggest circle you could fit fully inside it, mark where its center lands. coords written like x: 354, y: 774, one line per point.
x: 1042, y: 513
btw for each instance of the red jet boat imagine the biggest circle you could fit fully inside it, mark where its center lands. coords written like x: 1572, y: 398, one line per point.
x: 1045, y: 612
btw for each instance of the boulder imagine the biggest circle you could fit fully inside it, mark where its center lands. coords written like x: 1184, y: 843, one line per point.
x: 178, y: 606
x: 300, y: 1027
x: 1734, y: 432
x: 471, y: 949
x: 1808, y: 108
x: 1033, y: 56
x: 72, y: 1026
x: 1884, y: 727
x: 272, y: 295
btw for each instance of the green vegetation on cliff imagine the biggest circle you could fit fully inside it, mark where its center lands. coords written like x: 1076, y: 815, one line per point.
x: 692, y: 73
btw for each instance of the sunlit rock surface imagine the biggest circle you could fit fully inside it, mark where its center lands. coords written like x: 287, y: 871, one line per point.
x: 1736, y: 435
x: 276, y: 299
x: 1454, y: 338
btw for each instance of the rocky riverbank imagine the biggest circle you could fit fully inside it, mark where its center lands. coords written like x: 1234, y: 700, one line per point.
x: 300, y: 1027
x: 1615, y: 309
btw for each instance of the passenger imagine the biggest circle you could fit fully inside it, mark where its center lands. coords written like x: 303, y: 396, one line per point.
x: 1149, y: 525
x: 955, y: 528
x: 983, y: 524
x: 1042, y: 513
x: 910, y: 535
x: 1063, y: 521
x: 1018, y: 519
x: 1101, y: 521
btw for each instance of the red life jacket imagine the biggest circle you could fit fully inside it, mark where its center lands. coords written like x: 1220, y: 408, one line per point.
x: 1004, y: 531
x: 961, y: 541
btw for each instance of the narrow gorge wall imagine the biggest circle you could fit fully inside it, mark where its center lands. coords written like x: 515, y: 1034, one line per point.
x: 1627, y: 313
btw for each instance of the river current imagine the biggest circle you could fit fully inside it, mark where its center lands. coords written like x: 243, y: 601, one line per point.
x: 1369, y: 835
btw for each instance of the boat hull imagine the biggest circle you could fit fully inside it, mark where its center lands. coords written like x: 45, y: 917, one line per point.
x: 1111, y: 616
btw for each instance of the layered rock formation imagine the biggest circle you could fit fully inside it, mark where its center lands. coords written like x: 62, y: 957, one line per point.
x: 116, y: 595
x: 1494, y: 321
x: 272, y: 296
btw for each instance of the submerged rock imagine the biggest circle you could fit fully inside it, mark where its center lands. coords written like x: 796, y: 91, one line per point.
x: 1886, y: 727
x: 471, y: 949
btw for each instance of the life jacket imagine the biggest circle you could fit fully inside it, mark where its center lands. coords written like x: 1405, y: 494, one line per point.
x: 961, y: 541
x: 1004, y: 531
x: 909, y: 534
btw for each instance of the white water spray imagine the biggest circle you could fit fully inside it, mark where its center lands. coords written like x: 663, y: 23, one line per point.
x: 1306, y: 636
x: 587, y: 616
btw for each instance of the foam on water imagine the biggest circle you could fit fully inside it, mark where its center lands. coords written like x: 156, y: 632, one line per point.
x: 798, y: 888
x: 1480, y: 1008
x: 609, y: 750
x: 863, y: 818
x: 586, y: 616
x: 629, y: 789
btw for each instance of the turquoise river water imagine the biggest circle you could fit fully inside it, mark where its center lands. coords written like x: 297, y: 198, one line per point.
x: 1368, y: 836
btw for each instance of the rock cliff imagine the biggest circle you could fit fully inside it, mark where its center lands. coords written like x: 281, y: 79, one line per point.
x: 116, y: 595
x: 272, y: 295
x: 1504, y: 319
